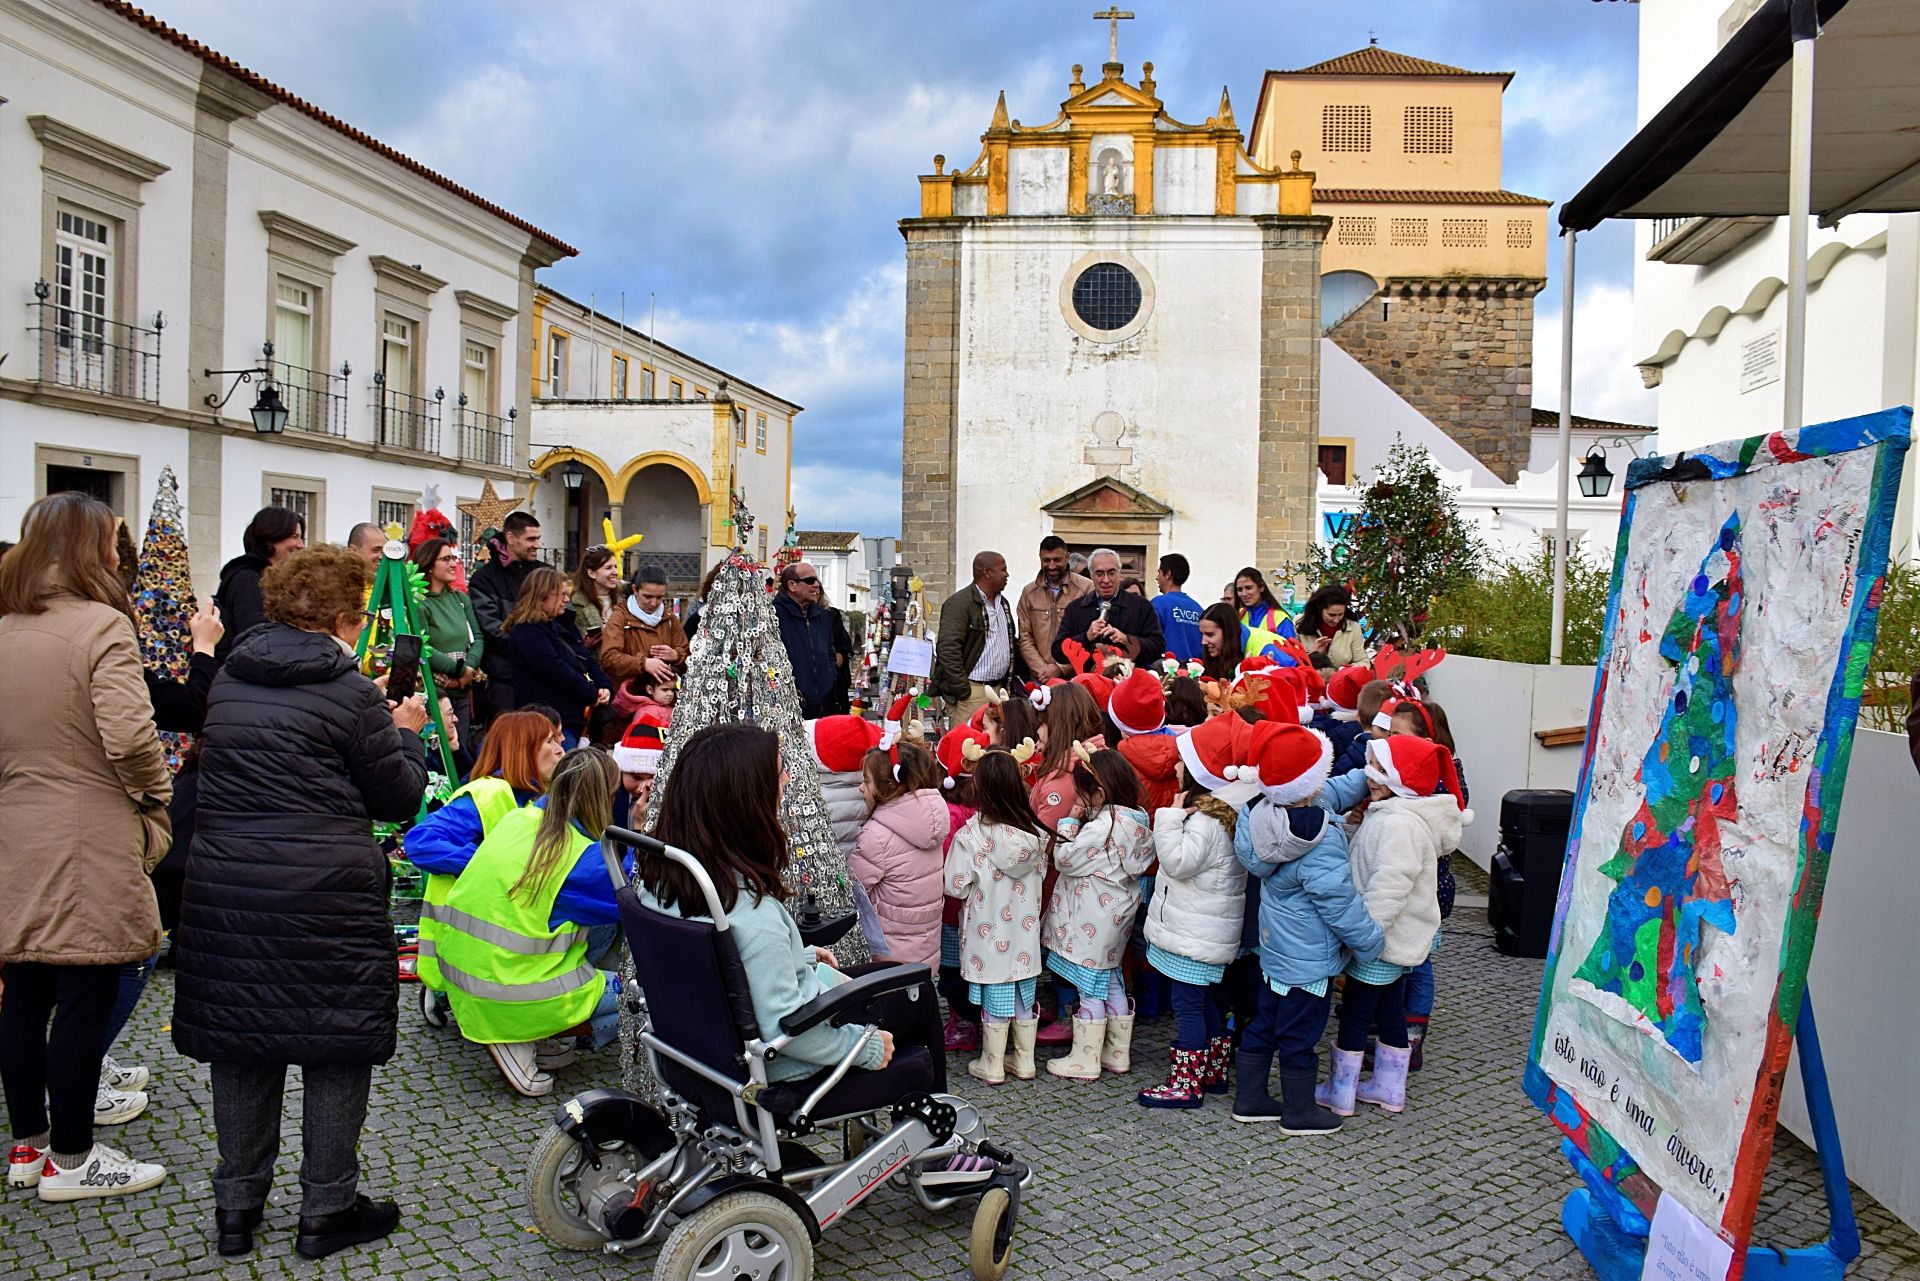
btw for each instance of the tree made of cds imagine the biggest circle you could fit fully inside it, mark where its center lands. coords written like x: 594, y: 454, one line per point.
x: 163, y: 596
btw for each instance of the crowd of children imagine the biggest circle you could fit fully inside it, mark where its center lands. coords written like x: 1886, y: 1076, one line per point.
x: 1239, y: 851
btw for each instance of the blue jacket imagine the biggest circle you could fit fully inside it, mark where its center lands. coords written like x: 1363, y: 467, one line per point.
x: 1355, y: 755
x: 1340, y: 733
x: 1179, y: 624
x: 551, y: 665
x: 808, y: 638
x: 1343, y: 791
x: 444, y: 841
x: 1311, y: 916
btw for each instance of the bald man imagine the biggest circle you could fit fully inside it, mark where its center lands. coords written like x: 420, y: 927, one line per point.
x: 979, y: 647
x: 366, y: 540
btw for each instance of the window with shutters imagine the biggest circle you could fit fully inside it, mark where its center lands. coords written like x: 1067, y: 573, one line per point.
x: 556, y: 363
x: 739, y: 425
x: 1463, y: 233
x: 396, y: 355
x: 760, y: 433
x: 1408, y: 231
x: 82, y: 281
x: 1519, y: 233
x: 1346, y: 128
x: 646, y: 383
x: 1355, y: 231
x: 1427, y: 131
x: 619, y: 377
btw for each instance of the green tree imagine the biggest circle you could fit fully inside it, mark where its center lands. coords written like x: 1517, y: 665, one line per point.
x: 1407, y: 545
x: 1506, y: 612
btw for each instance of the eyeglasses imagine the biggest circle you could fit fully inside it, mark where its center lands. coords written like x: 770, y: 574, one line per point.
x: 811, y: 582
x: 448, y: 559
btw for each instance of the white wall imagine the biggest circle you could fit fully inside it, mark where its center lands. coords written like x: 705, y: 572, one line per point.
x: 1865, y: 955
x: 24, y: 425
x: 1494, y: 709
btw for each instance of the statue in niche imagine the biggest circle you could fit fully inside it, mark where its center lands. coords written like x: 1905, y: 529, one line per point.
x: 1110, y: 175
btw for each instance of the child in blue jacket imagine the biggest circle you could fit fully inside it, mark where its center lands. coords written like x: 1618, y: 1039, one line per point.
x: 1311, y: 921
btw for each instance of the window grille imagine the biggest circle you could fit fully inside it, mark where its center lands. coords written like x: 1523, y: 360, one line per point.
x: 1519, y: 233
x: 1356, y: 231
x: 1408, y: 231
x: 1427, y: 131
x: 1346, y: 128
x: 1463, y: 233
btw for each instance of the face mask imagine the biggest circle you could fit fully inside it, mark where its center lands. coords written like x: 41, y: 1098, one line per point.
x: 651, y: 620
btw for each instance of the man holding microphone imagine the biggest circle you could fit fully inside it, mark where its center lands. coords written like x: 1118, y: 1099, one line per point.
x: 1107, y: 616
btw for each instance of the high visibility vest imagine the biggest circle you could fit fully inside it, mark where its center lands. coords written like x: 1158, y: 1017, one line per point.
x: 494, y: 798
x: 510, y: 976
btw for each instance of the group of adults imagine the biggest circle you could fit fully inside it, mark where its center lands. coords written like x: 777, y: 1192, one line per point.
x: 987, y: 642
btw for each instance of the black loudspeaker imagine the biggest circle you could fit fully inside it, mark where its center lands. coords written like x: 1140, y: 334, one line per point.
x: 1525, y: 881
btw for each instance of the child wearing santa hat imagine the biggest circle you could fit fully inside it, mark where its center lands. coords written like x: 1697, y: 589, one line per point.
x: 1395, y: 856
x: 1424, y: 719
x: 1138, y: 711
x: 1311, y: 920
x: 962, y: 1032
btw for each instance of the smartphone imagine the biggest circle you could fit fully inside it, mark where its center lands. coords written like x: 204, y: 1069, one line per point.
x: 403, y: 672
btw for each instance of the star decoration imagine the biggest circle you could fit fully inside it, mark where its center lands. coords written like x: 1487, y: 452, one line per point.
x: 489, y: 510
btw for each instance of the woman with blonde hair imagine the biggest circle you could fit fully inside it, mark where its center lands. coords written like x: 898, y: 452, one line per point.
x: 84, y: 785
x: 551, y: 664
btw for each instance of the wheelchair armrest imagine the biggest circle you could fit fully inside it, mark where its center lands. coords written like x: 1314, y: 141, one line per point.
x: 828, y: 930
x: 848, y: 1001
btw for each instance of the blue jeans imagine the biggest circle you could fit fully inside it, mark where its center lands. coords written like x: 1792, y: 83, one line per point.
x: 1287, y: 1027
x: 133, y: 981
x: 601, y: 940
x: 1197, y: 1017
x: 605, y: 1020
x: 1420, y: 990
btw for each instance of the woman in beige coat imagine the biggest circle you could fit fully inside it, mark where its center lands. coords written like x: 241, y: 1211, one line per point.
x: 84, y: 787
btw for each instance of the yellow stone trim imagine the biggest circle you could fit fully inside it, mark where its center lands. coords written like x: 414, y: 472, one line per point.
x: 1225, y: 190
x: 617, y: 492
x: 1143, y: 148
x: 719, y: 533
x: 536, y: 365
x: 789, y: 462
x: 1077, y: 160
x: 567, y: 453
x: 997, y: 177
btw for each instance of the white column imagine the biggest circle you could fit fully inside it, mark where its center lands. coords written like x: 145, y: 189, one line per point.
x: 1557, y: 642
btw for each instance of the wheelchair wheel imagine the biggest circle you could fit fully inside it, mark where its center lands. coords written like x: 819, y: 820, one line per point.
x: 990, y: 1250
x: 433, y: 1007
x: 743, y: 1234
x: 551, y: 1174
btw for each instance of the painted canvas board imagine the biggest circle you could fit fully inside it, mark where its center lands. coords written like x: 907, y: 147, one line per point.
x: 1746, y: 588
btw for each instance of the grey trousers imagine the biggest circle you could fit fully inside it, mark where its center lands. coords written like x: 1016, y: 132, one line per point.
x: 246, y: 1115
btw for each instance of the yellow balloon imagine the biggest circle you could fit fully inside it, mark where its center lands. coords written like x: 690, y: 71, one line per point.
x: 618, y: 545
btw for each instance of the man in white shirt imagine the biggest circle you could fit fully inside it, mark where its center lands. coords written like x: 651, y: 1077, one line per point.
x: 978, y: 646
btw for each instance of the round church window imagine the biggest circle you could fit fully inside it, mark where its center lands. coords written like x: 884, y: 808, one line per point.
x: 1106, y: 296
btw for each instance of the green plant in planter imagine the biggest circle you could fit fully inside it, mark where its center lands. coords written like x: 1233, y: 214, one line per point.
x: 1896, y: 650
x: 1407, y: 546
x: 1507, y: 612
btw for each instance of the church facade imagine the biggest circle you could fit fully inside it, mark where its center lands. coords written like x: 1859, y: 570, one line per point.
x: 1113, y: 335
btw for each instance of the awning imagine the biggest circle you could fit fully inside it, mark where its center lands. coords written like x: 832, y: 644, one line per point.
x: 1719, y: 147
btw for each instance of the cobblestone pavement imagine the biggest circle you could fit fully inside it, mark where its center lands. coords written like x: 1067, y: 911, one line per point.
x: 1466, y: 1184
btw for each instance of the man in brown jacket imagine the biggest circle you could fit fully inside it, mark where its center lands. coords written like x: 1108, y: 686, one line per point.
x: 1042, y: 602
x: 641, y: 634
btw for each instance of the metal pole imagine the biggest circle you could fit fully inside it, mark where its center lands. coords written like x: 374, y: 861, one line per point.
x: 1799, y: 209
x: 1558, y: 640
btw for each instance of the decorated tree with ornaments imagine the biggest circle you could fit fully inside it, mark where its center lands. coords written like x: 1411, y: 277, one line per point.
x: 162, y: 591
x: 1406, y: 545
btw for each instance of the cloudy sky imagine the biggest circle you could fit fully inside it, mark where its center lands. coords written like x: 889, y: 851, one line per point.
x: 745, y: 161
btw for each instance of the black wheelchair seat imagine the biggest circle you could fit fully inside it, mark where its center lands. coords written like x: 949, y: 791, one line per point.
x: 910, y: 1072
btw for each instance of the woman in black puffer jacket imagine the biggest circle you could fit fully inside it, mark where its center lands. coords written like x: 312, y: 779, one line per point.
x: 285, y: 948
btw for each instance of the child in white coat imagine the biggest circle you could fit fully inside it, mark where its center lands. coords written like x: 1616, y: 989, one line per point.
x: 1395, y: 854
x: 1091, y: 913
x: 995, y: 867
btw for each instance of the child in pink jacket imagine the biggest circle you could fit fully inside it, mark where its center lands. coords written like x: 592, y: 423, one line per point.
x: 898, y: 860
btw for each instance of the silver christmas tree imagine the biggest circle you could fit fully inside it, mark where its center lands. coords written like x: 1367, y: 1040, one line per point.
x: 737, y: 670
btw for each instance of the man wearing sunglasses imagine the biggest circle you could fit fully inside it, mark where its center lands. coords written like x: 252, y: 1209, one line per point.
x: 807, y: 629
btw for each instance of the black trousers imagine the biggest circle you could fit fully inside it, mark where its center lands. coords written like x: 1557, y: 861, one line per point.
x: 246, y: 1117
x: 912, y: 1022
x: 55, y: 1069
x: 1362, y: 1005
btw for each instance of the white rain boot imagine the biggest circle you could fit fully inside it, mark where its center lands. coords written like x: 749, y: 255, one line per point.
x: 1117, y: 1054
x: 1083, y: 1064
x: 991, y: 1066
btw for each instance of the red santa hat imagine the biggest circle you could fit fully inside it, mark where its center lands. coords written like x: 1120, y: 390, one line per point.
x: 951, y: 751
x: 1314, y: 684
x: 1216, y: 752
x: 1383, y: 719
x: 1039, y: 696
x: 1138, y: 705
x: 1275, y: 691
x: 640, y: 748
x: 1343, y: 691
x: 1410, y: 766
x: 896, y: 718
x: 1097, y: 685
x: 1293, y: 761
x: 840, y: 743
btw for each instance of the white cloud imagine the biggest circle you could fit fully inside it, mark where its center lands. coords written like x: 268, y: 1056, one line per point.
x: 830, y: 497
x: 1606, y: 383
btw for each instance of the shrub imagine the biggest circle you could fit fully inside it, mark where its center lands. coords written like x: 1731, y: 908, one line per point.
x: 1896, y: 651
x: 1507, y: 612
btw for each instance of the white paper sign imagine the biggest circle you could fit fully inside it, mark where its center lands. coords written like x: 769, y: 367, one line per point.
x: 911, y: 657
x: 1760, y: 361
x: 1681, y: 1248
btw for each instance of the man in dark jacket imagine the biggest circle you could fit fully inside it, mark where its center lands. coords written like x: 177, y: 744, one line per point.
x: 1108, y: 616
x: 494, y: 588
x: 979, y: 646
x: 806, y: 629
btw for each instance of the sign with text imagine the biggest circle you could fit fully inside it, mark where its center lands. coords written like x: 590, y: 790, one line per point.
x: 1760, y: 361
x: 1681, y: 1248
x: 910, y: 656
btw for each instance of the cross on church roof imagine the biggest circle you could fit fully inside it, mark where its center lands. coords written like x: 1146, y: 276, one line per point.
x: 1112, y: 17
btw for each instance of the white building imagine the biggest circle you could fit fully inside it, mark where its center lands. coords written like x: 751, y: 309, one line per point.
x: 1710, y: 294
x: 659, y: 439
x: 167, y: 212
x: 839, y: 556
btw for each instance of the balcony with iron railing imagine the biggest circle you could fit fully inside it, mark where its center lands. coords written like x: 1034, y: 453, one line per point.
x: 486, y: 438
x: 82, y: 351
x: 316, y: 400
x: 403, y: 421
x: 1694, y: 241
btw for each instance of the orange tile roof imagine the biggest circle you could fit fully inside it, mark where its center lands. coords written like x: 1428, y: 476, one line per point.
x: 1375, y: 61
x: 214, y: 58
x: 1388, y: 196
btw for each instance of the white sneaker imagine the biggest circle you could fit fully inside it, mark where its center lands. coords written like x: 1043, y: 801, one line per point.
x: 23, y: 1165
x: 517, y: 1062
x: 114, y: 1076
x: 117, y: 1107
x: 105, y: 1172
x: 554, y: 1053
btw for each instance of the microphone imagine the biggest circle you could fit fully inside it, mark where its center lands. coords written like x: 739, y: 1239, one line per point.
x: 1105, y: 605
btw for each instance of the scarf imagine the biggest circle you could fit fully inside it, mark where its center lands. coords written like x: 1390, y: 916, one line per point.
x: 1217, y: 810
x: 646, y: 619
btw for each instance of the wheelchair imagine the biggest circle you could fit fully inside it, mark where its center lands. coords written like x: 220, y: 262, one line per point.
x: 714, y: 1164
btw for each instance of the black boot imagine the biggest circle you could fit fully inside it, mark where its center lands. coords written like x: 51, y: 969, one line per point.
x: 235, y: 1229
x: 1251, y: 1100
x: 365, y: 1220
x: 1300, y: 1114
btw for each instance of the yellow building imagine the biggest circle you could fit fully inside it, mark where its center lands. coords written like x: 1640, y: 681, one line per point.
x: 1429, y: 272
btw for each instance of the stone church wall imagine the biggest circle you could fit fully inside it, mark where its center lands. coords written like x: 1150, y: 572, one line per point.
x: 930, y: 397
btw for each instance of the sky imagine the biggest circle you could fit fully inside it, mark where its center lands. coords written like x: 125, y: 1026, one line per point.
x: 745, y: 162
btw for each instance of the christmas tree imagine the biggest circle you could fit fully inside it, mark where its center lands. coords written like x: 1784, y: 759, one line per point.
x: 163, y: 596
x: 739, y: 671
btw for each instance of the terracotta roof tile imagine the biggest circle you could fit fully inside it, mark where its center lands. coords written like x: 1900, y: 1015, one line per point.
x: 823, y: 540
x: 214, y: 58
x: 1550, y: 419
x: 1375, y: 61
x: 1388, y: 196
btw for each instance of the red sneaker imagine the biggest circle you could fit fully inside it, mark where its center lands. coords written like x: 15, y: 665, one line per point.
x: 1058, y: 1032
x: 25, y: 1163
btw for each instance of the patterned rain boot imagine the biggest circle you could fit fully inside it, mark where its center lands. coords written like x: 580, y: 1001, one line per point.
x: 1183, y: 1089
x: 1416, y: 1038
x: 1089, y: 1036
x: 1219, y: 1054
x: 1343, y: 1078
x: 1387, y: 1087
x: 1020, y: 1052
x: 991, y: 1066
x: 1117, y: 1054
x: 960, y: 1036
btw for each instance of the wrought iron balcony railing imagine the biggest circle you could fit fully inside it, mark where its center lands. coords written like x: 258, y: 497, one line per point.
x: 316, y: 400
x: 404, y: 421
x: 486, y: 438
x: 87, y: 352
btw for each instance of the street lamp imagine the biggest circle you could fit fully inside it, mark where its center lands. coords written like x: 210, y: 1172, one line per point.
x: 1595, y: 478
x: 572, y: 475
x: 269, y: 414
